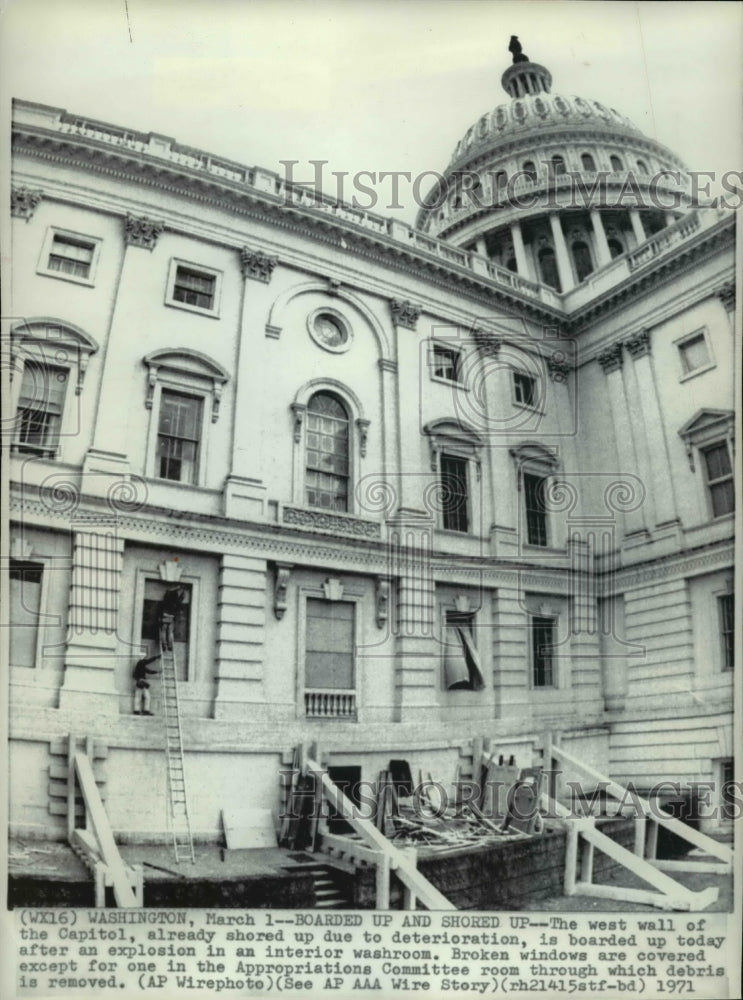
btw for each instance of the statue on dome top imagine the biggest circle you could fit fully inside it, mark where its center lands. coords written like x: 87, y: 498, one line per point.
x: 515, y: 46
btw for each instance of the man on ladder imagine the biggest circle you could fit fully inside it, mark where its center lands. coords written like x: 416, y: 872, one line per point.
x: 141, y: 686
x: 170, y: 605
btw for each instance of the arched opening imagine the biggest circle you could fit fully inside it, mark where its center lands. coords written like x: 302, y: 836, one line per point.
x: 328, y: 452
x: 548, y: 268
x: 582, y: 260
x: 616, y: 163
x: 500, y: 182
x: 529, y: 168
x: 642, y: 167
x: 588, y: 163
x: 615, y: 248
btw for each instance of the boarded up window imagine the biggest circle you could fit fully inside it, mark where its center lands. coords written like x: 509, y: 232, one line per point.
x: 25, y: 603
x: 329, y: 645
x: 461, y: 660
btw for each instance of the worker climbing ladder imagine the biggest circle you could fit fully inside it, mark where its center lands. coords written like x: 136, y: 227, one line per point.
x: 182, y: 839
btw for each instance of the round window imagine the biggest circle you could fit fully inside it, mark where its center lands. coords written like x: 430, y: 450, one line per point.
x: 330, y: 331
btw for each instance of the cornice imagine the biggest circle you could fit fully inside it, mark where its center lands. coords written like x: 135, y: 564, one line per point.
x: 679, y: 564
x: 256, y: 204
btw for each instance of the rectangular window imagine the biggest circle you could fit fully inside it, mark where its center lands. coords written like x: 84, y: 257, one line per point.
x: 719, y: 471
x: 446, y: 363
x: 726, y: 605
x: 329, y: 677
x: 154, y: 591
x: 542, y: 646
x: 178, y: 438
x: 535, y: 509
x: 454, y: 490
x: 461, y: 660
x: 524, y: 389
x: 25, y: 605
x: 694, y: 353
x: 194, y: 288
x: 70, y: 255
x: 40, y: 405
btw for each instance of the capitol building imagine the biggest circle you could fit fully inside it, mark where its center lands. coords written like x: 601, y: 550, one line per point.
x: 427, y: 488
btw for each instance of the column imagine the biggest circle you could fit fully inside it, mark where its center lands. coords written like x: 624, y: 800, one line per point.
x: 241, y: 626
x: 244, y: 492
x: 637, y: 227
x: 481, y: 246
x: 638, y: 347
x: 603, y: 254
x: 670, y: 219
x: 519, y: 250
x: 564, y: 267
x: 92, y: 617
x: 633, y: 509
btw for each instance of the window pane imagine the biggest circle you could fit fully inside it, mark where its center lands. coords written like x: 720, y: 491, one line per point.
x: 536, y: 515
x: 70, y: 256
x: 178, y: 438
x: 726, y: 605
x: 694, y: 353
x: 542, y: 633
x: 723, y: 498
x: 454, y: 493
x: 194, y: 288
x: 717, y: 459
x: 326, y: 478
x: 40, y: 406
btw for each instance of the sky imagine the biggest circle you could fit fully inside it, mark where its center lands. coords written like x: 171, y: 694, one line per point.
x: 373, y: 85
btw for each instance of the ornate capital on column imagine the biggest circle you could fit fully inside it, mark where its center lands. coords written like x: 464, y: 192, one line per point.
x: 487, y: 343
x: 611, y: 359
x: 558, y: 367
x: 257, y: 265
x: 726, y: 295
x: 404, y: 313
x: 281, y: 588
x: 139, y: 231
x: 383, y: 601
x: 639, y: 345
x: 23, y: 202
x: 363, y: 426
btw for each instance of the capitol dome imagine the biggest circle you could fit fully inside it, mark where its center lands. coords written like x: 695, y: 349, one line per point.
x: 553, y: 187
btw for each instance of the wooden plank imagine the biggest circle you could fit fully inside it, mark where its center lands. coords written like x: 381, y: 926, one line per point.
x: 571, y: 860
x: 692, y: 900
x: 123, y: 892
x: 246, y: 827
x: 720, y: 851
x: 697, y: 867
x: 382, y: 881
x: 408, y: 874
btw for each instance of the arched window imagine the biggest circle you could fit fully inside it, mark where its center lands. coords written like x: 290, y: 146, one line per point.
x: 616, y: 163
x: 558, y: 165
x: 530, y: 170
x: 582, y: 260
x: 615, y: 248
x: 588, y: 163
x: 327, y: 468
x: 548, y: 268
x: 642, y: 166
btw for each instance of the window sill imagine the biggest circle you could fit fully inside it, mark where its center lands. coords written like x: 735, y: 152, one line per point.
x: 63, y: 276
x: 450, y: 382
x: 529, y: 409
x: 197, y: 310
x: 697, y: 371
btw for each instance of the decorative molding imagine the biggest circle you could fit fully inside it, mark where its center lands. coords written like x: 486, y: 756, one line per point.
x: 333, y: 523
x: 170, y: 570
x: 257, y: 265
x: 706, y: 427
x: 363, y: 426
x: 63, y: 341
x: 639, y: 345
x: 333, y: 589
x: 558, y: 368
x: 726, y: 294
x: 387, y: 365
x: 611, y: 359
x: 299, y: 410
x: 140, y: 231
x: 487, y: 343
x: 184, y: 363
x: 382, y: 601
x: 404, y: 313
x: 23, y: 202
x: 281, y: 588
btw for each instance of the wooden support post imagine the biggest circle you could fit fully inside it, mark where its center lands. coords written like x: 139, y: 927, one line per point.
x: 571, y: 859
x: 652, y: 840
x: 548, y: 762
x: 586, y: 862
x: 72, y: 741
x: 100, y: 884
x: 382, y: 883
x: 476, y: 758
x: 640, y: 828
x: 409, y: 899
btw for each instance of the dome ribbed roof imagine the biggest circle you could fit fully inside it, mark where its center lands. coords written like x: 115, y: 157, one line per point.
x: 537, y: 113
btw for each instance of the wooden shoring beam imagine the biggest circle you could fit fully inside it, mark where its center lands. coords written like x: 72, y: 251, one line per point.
x: 413, y: 881
x: 717, y: 850
x: 97, y: 823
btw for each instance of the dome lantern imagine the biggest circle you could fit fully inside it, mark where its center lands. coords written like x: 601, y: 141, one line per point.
x: 524, y: 77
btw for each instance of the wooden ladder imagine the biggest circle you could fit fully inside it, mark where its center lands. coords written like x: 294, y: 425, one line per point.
x: 182, y: 839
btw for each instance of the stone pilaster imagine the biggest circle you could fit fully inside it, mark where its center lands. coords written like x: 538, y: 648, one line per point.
x: 241, y: 626
x: 92, y: 617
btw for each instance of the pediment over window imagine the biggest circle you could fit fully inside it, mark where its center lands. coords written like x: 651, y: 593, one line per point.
x: 48, y: 340
x: 188, y: 368
x: 705, y: 427
x: 452, y: 435
x: 533, y: 453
